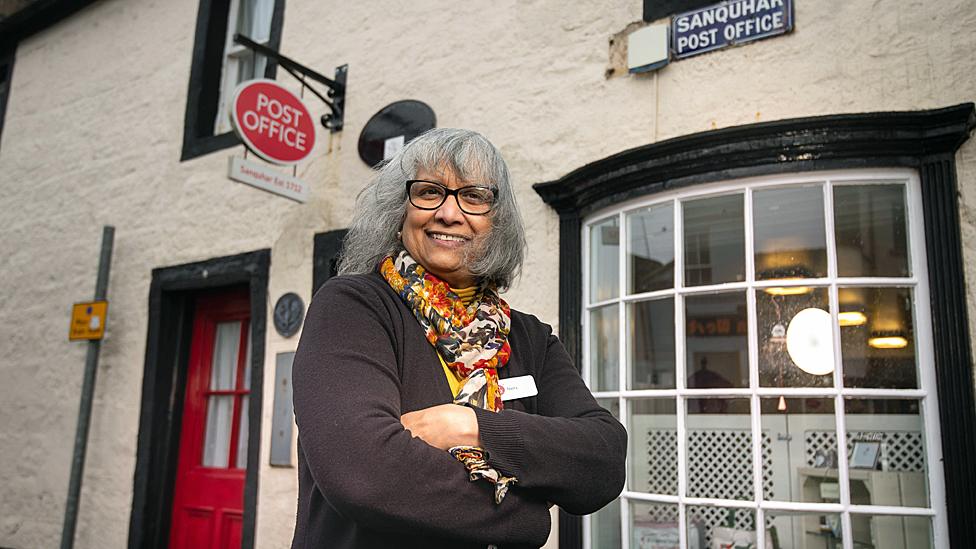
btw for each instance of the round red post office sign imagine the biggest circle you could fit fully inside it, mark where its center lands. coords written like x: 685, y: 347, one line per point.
x: 272, y: 121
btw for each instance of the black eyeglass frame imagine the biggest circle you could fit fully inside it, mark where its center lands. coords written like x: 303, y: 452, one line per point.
x: 449, y: 192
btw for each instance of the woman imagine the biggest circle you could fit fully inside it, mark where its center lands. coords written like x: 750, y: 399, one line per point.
x: 407, y: 437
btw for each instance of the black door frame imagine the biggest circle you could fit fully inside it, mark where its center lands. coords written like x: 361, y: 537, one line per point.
x: 171, y: 306
x: 923, y: 140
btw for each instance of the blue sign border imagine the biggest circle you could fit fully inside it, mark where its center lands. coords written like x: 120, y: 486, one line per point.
x: 788, y: 27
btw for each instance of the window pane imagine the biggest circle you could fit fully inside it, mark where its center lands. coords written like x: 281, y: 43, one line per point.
x: 605, y: 527
x: 604, y: 260
x: 651, y: 345
x: 247, y: 361
x: 605, y: 349
x: 802, y: 437
x: 611, y: 405
x: 720, y: 448
x: 650, y: 252
x: 869, y: 224
x: 653, y: 460
x: 227, y: 341
x: 891, y: 531
x: 242, y: 433
x: 653, y: 525
x: 886, y: 452
x: 795, y: 337
x: 714, y: 240
x: 254, y: 19
x: 716, y: 335
x: 216, y: 440
x: 721, y: 527
x: 790, y: 530
x: 245, y: 67
x: 790, y: 234
x: 878, y: 346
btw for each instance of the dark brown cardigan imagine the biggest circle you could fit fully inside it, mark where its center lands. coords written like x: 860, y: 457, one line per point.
x: 364, y: 482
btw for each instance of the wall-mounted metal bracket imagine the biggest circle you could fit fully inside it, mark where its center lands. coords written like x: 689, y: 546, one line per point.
x: 336, y: 100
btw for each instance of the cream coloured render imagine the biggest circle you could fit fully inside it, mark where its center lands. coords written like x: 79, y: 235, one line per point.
x: 92, y: 136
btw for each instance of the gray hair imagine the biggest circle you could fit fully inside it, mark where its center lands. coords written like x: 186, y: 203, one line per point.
x: 381, y: 206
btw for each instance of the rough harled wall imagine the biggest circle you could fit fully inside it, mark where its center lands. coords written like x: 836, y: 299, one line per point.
x: 93, y: 131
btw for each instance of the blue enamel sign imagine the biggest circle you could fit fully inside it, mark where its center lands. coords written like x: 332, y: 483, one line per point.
x: 727, y: 24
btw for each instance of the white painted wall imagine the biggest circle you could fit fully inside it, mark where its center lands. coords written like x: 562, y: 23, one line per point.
x: 93, y: 132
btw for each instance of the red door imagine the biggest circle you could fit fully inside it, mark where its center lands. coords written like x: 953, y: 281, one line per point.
x: 208, y: 499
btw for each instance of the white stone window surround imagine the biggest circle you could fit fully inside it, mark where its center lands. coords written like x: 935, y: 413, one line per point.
x: 262, y: 12
x: 925, y: 393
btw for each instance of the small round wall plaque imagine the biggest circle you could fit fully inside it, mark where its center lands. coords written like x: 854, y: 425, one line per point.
x: 289, y: 312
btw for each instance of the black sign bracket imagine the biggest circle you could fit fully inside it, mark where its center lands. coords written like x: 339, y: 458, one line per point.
x: 334, y: 98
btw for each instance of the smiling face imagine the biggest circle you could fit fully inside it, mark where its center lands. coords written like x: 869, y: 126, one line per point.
x: 444, y: 240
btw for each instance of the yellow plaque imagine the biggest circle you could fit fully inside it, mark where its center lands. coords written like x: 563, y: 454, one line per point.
x: 88, y: 320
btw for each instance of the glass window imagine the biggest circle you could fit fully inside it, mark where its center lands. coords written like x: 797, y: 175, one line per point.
x: 605, y: 348
x: 795, y: 350
x: 793, y: 325
x: 650, y: 249
x: 653, y: 455
x: 790, y: 233
x: 714, y: 241
x: 651, y: 343
x: 878, y: 347
x: 869, y: 224
x: 716, y: 340
x: 251, y: 18
x: 604, y: 260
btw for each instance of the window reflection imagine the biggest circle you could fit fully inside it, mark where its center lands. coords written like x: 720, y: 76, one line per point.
x: 650, y: 252
x: 775, y: 315
x: 717, y: 348
x: 870, y: 230
x: 604, y: 263
x: 653, y: 459
x: 886, y: 451
x: 789, y: 234
x: 605, y: 527
x: 721, y: 527
x: 880, y: 351
x: 654, y: 525
x: 804, y: 530
x: 891, y: 531
x: 714, y: 241
x: 720, y: 448
x: 652, y: 358
x: 802, y: 440
x: 604, y: 348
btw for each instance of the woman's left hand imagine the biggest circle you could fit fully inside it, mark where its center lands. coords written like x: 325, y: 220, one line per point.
x: 443, y: 426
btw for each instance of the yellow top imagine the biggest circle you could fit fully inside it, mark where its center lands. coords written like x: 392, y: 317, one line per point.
x: 466, y: 295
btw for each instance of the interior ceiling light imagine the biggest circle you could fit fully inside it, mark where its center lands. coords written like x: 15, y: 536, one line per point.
x: 809, y: 341
x: 888, y: 342
x: 788, y: 290
x: 851, y: 318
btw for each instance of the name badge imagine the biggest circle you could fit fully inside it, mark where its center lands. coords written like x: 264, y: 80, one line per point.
x: 517, y: 387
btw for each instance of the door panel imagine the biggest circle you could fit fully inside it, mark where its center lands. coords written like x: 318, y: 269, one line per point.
x: 208, y: 497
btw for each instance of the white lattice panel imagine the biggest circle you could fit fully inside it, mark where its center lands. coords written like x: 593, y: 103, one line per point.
x: 905, y: 449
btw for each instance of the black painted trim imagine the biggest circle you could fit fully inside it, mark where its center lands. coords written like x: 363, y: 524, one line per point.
x: 171, y: 298
x: 656, y: 9
x: 203, y: 93
x: 325, y: 256
x: 35, y: 17
x: 953, y: 351
x: 6, y: 81
x: 923, y: 140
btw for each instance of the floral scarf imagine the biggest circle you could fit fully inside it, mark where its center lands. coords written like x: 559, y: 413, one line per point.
x: 467, y: 338
x: 472, y: 340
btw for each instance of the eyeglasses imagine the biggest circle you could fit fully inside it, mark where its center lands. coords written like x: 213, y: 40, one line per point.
x: 430, y: 195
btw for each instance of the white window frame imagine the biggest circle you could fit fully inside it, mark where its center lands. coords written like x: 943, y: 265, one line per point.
x: 233, y: 53
x: 926, y: 392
